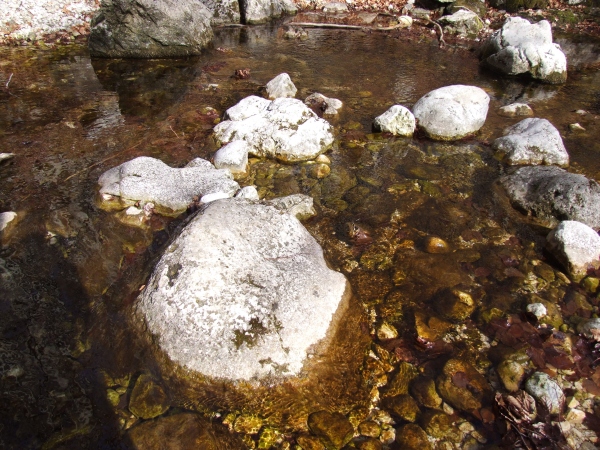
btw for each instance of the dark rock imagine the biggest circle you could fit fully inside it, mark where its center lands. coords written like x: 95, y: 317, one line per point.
x: 150, y: 29
x: 402, y: 406
x: 334, y: 429
x: 439, y: 425
x: 423, y: 390
x: 412, y: 437
x: 369, y: 444
x: 552, y: 194
x: 455, y: 303
x: 462, y: 386
x: 148, y: 399
x: 181, y: 431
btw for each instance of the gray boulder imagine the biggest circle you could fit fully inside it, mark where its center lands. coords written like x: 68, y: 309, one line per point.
x: 463, y: 22
x: 223, y: 11
x: 546, y: 392
x: 233, y: 156
x: 281, y: 86
x: 259, y: 11
x: 285, y: 129
x: 576, y: 246
x: 397, y: 120
x: 150, y: 29
x: 520, y: 47
x: 242, y: 293
x: 169, y: 190
x: 551, y: 194
x: 452, y: 112
x: 532, y: 141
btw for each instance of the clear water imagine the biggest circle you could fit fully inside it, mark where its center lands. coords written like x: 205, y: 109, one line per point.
x: 70, y: 271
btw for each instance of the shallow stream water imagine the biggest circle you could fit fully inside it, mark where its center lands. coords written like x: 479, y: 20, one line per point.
x: 71, y: 272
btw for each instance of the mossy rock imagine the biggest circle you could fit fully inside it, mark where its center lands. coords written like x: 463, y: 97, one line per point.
x: 424, y: 392
x: 400, y: 382
x: 148, y: 399
x: 333, y: 429
x: 412, y: 437
x: 461, y: 385
x: 439, y: 425
x: 403, y: 407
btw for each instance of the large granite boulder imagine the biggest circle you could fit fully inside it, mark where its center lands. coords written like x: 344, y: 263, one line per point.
x: 462, y: 22
x: 150, y: 29
x: 532, y: 141
x: 520, y: 47
x: 551, y: 194
x: 258, y: 11
x: 243, y: 292
x: 146, y: 180
x: 284, y: 128
x: 223, y: 11
x: 452, y: 112
x: 576, y: 246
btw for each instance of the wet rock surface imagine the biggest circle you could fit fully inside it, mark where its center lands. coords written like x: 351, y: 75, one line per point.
x: 461, y: 385
x: 452, y: 112
x: 576, y: 246
x: 546, y: 392
x: 522, y: 47
x: 397, y: 120
x: 532, y: 141
x: 254, y: 314
x: 333, y: 429
x: 144, y: 29
x: 148, y: 399
x: 551, y: 194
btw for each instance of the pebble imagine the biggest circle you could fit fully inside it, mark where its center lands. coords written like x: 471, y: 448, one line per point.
x: 6, y: 156
x: 546, y: 392
x: 436, y: 245
x: 323, y: 159
x: 537, y: 309
x: 576, y: 127
x: 6, y: 218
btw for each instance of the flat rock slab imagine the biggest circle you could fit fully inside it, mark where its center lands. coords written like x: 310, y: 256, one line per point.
x: 551, y: 194
x: 150, y: 29
x: 452, y: 112
x: 285, y: 129
x: 170, y: 190
x: 532, y: 141
x: 521, y: 47
x: 576, y: 246
x: 242, y: 293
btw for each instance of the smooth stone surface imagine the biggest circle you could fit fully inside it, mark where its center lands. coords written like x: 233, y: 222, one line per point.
x: 285, y: 129
x: 243, y: 292
x: 590, y: 328
x: 551, y: 194
x: 171, y: 190
x: 333, y: 429
x: 233, y: 156
x: 6, y: 218
x: 515, y: 110
x: 328, y: 106
x: 150, y: 29
x: 532, y: 141
x: 397, y: 120
x: 462, y: 22
x: 522, y: 47
x: 281, y: 86
x: 576, y: 246
x: 259, y: 11
x: 546, y: 392
x: 148, y: 399
x: 182, y: 431
x: 452, y: 112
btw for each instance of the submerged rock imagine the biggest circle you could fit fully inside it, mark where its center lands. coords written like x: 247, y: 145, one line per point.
x: 546, y: 392
x: 576, y: 246
x: 532, y: 141
x: 397, y: 120
x: 590, y: 328
x: 516, y: 110
x: 285, y: 129
x: 551, y: 194
x: 333, y: 429
x: 258, y: 11
x: 242, y: 293
x: 150, y: 29
x: 170, y: 190
x: 462, y: 386
x: 327, y: 106
x: 412, y: 437
x: 148, y: 399
x: 281, y: 86
x: 462, y: 22
x: 452, y: 112
x: 521, y: 47
x: 7, y: 219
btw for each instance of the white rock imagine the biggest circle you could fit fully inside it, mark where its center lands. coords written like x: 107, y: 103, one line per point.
x: 521, y: 47
x: 248, y: 193
x: 330, y: 106
x: 242, y: 293
x: 6, y: 218
x: 213, y: 197
x: 516, y: 110
x: 452, y: 112
x: 6, y: 156
x: 405, y: 21
x: 397, y: 120
x: 590, y: 328
x: 286, y: 129
x: 532, y: 141
x: 462, y: 22
x: 576, y: 246
x: 233, y: 156
x: 171, y: 190
x: 335, y: 7
x: 537, y: 309
x: 281, y: 86
x: 298, y: 205
x: 133, y: 211
x: 247, y: 107
x: 546, y: 392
